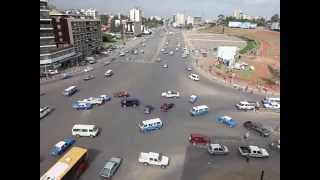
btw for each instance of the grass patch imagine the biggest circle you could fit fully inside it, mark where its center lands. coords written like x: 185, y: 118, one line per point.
x: 251, y: 44
x: 245, y: 75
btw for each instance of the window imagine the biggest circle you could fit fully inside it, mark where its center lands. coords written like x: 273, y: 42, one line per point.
x: 59, y: 26
x: 90, y: 130
x: 84, y: 130
x: 60, y: 33
x: 61, y: 39
x: 76, y: 130
x: 57, y: 20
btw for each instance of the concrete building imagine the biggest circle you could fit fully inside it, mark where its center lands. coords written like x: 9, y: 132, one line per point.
x: 84, y: 34
x: 238, y: 14
x: 53, y: 55
x: 275, y: 26
x: 190, y: 20
x: 180, y: 19
x: 197, y: 20
x: 117, y: 22
x: 135, y: 15
x: 91, y: 12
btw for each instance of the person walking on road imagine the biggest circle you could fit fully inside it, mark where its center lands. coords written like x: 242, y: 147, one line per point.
x: 246, y: 135
x: 247, y: 158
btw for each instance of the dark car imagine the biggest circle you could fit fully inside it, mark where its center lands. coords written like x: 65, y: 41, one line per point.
x: 130, y: 102
x: 88, y: 77
x: 148, y: 109
x: 166, y: 106
x: 201, y: 139
x: 121, y: 94
x: 257, y: 127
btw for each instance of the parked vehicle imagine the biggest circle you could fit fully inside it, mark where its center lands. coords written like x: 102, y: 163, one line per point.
x: 218, y: 149
x: 153, y: 158
x: 62, y: 146
x: 194, y: 77
x: 193, y: 99
x: 85, y: 130
x: 87, y: 69
x: 165, y: 66
x: 148, y: 109
x: 199, y: 110
x: 110, y: 167
x: 121, y: 94
x: 82, y: 106
x: 44, y: 111
x: 92, y: 61
x: 171, y: 94
x: 121, y: 54
x: 189, y: 68
x: 166, y: 106
x: 53, y: 71
x: 257, y: 127
x: 199, y: 139
x: 162, y: 50
x: 253, y: 151
x: 88, y: 77
x: 108, y: 73
x: 70, y: 90
x: 150, y: 125
x: 247, y: 105
x: 127, y: 102
x: 171, y: 52
x: 228, y: 121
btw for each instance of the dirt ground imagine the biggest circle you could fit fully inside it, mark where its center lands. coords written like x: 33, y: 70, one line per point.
x: 267, y: 54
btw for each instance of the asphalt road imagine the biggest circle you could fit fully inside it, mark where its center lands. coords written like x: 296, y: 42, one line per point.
x: 143, y: 78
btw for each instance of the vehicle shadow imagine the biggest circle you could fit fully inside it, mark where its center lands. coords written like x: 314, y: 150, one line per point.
x: 93, y: 154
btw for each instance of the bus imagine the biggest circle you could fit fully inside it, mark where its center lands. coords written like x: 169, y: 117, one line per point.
x: 70, y: 90
x: 70, y: 166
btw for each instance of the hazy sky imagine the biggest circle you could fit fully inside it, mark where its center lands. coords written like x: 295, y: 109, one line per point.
x: 204, y: 8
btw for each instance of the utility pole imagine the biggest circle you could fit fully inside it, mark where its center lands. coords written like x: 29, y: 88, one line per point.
x: 262, y: 174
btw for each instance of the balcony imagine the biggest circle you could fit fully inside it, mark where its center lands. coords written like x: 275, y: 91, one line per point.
x: 57, y: 54
x: 46, y: 26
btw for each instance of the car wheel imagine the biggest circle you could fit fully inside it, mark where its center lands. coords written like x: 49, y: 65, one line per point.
x: 163, y: 166
x: 146, y: 164
x: 91, y: 136
x: 77, y: 135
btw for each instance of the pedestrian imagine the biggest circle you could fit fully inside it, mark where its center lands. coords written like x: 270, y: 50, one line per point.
x: 246, y: 135
x: 247, y: 159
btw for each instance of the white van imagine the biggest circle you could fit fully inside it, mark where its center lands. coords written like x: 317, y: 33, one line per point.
x: 199, y: 110
x: 85, y: 130
x: 151, y: 124
x: 70, y: 90
x: 268, y: 100
x: 108, y: 73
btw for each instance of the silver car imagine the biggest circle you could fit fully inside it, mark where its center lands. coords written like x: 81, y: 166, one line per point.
x: 110, y: 167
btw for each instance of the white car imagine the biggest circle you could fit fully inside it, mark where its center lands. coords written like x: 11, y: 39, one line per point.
x: 253, y: 151
x: 87, y: 69
x: 121, y: 54
x: 171, y: 94
x: 162, y: 50
x: 245, y: 105
x: 93, y: 101
x: 194, y: 77
x: 165, y: 66
x: 44, y: 111
x: 53, y: 72
x: 153, y: 158
x: 171, y: 52
x: 105, y: 52
x: 272, y: 105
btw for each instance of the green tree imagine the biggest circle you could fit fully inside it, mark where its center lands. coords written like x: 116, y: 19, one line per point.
x: 275, y: 18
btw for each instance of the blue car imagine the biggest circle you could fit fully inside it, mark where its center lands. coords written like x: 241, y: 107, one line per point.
x: 81, y: 106
x: 228, y: 121
x: 61, y: 146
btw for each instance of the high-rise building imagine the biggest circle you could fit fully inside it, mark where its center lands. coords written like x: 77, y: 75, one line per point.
x: 180, y: 19
x: 84, y: 34
x: 135, y: 15
x: 237, y: 14
x: 190, y: 20
x: 52, y: 54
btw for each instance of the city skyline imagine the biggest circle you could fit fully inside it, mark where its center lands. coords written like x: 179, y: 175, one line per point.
x: 205, y: 8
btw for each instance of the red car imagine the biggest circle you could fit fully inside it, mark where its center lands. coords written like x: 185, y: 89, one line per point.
x: 165, y: 107
x: 121, y: 94
x: 201, y: 139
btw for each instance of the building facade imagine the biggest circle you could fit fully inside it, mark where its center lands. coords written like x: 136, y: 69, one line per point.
x: 190, y: 20
x: 91, y: 12
x: 84, y: 34
x: 197, y: 20
x: 52, y: 54
x: 135, y: 15
x: 180, y: 19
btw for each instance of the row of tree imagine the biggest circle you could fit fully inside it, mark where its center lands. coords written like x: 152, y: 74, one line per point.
x: 260, y: 22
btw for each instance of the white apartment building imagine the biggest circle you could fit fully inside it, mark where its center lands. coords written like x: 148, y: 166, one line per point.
x: 180, y: 19
x: 190, y: 20
x: 135, y: 15
x: 237, y: 13
x: 91, y: 12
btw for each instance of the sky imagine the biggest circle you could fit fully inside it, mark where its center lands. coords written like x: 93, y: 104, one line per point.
x: 209, y: 9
